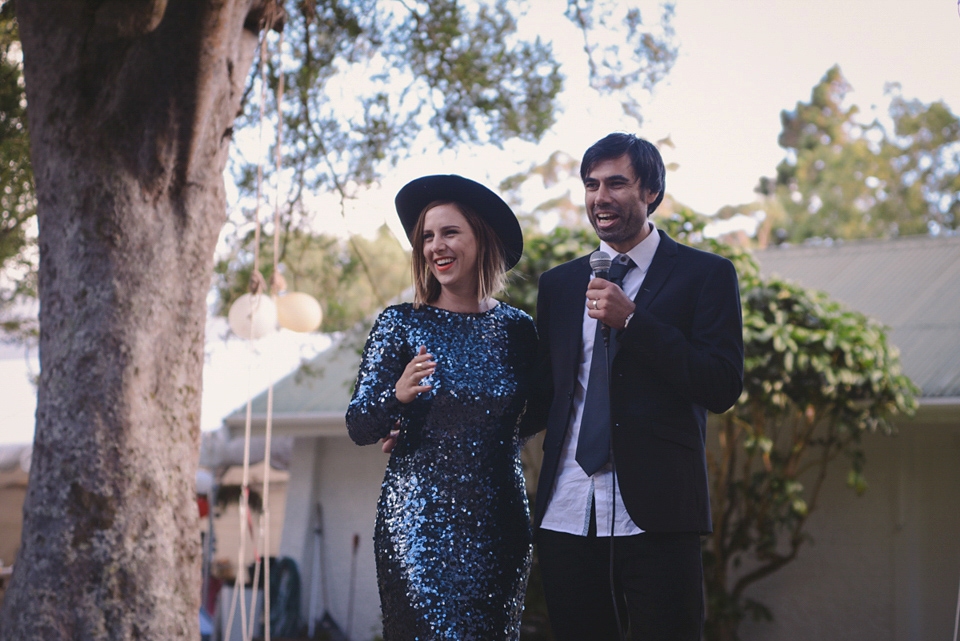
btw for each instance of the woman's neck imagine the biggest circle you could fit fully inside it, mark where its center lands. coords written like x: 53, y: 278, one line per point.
x: 460, y: 303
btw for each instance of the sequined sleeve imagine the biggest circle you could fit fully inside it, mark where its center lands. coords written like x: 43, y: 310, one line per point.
x: 374, y: 409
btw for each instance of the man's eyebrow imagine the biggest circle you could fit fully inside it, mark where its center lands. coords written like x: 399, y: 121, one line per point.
x: 612, y: 178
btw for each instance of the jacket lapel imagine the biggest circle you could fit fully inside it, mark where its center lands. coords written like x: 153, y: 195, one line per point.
x: 660, y: 267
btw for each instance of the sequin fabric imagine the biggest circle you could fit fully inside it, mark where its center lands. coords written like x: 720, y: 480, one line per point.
x: 452, y: 536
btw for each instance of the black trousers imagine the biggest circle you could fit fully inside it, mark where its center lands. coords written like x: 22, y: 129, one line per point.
x: 657, y: 579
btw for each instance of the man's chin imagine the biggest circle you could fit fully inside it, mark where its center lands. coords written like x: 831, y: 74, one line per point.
x: 619, y: 237
x: 610, y: 235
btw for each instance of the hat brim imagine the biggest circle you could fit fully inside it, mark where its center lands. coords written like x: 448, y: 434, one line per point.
x: 419, y: 193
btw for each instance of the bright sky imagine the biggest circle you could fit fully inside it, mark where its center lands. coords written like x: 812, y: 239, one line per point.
x: 741, y: 62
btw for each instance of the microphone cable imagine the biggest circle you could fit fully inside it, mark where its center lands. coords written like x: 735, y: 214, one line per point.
x: 600, y: 266
x: 613, y: 501
x: 613, y: 514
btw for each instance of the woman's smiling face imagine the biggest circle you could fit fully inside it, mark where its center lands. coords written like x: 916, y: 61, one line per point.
x: 450, y: 248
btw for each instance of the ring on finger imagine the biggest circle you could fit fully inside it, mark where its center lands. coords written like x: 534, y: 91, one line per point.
x: 595, y: 303
x: 419, y: 365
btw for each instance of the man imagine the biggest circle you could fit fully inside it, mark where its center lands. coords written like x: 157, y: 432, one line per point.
x: 675, y: 351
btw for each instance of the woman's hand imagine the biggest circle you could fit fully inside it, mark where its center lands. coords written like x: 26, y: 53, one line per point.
x: 422, y: 366
x: 387, y: 443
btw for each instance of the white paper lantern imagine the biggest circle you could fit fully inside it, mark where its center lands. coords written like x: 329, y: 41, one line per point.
x: 253, y: 316
x: 298, y: 312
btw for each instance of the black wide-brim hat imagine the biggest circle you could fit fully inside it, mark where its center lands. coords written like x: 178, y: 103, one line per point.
x: 419, y: 193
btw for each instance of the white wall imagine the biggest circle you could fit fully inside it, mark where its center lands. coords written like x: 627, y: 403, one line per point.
x: 345, y: 479
x: 884, y: 566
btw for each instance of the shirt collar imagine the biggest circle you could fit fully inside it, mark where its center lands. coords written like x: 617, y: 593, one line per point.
x: 641, y: 253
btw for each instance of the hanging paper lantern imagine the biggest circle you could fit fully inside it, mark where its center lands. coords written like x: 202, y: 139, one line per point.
x: 298, y: 312
x: 253, y: 316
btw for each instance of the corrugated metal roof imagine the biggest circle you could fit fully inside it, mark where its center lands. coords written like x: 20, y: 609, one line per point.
x: 911, y: 285
x: 322, y: 385
x: 316, y: 393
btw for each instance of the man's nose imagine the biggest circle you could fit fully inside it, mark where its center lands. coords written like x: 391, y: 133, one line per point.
x: 603, y: 194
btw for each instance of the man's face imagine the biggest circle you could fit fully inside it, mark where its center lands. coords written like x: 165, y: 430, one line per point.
x: 617, y: 203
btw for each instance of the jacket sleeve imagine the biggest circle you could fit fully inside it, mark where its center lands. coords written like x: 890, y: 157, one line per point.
x: 700, y: 357
x: 374, y: 409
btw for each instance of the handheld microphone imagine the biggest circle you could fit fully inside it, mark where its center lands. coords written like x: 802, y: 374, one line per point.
x: 600, y: 262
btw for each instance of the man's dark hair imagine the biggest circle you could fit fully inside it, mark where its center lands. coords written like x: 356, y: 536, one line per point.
x: 644, y: 158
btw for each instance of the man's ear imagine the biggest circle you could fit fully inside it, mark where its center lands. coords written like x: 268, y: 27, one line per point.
x: 650, y: 196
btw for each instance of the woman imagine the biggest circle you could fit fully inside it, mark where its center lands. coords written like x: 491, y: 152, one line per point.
x: 450, y: 370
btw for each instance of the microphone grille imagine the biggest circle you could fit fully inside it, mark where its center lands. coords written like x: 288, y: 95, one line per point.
x: 600, y: 261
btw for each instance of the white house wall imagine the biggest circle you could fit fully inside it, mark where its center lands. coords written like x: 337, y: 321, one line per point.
x: 298, y: 521
x: 345, y: 479
x: 884, y: 566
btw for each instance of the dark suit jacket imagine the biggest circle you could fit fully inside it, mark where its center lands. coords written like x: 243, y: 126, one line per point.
x: 681, y: 355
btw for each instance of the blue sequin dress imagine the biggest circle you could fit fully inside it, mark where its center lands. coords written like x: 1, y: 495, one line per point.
x: 452, y: 538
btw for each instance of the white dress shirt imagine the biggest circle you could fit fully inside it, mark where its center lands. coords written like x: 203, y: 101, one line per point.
x: 569, y: 507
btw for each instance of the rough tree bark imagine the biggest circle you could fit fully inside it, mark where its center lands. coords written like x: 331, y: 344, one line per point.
x: 131, y: 104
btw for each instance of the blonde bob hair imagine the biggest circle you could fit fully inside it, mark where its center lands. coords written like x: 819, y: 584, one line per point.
x: 491, y: 260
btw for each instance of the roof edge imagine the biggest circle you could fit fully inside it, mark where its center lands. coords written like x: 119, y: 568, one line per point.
x: 307, y: 424
x: 945, y: 409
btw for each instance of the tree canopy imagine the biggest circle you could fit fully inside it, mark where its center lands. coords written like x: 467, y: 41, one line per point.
x: 17, y: 200
x: 845, y: 179
x: 351, y: 278
x: 367, y: 84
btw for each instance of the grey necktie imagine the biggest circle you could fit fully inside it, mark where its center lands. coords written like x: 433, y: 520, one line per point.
x: 593, y: 446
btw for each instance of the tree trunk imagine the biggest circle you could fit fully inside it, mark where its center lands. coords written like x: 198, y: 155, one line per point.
x: 131, y: 104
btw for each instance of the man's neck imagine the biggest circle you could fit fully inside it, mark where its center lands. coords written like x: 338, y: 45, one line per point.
x: 625, y: 246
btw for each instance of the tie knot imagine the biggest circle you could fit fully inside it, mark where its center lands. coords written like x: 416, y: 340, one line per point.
x: 621, y: 265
